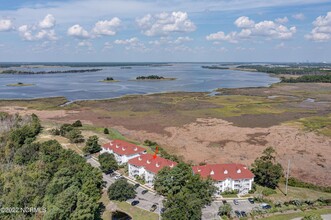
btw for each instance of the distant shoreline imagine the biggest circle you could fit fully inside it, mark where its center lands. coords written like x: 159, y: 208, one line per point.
x: 20, y: 85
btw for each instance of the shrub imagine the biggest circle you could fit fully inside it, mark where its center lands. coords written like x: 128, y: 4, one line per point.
x: 268, y: 191
x: 55, y: 131
x: 77, y: 123
x: 106, y: 131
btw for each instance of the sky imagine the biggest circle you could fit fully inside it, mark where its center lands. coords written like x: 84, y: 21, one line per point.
x: 165, y: 31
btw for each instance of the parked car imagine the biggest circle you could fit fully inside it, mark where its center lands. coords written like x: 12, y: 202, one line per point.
x: 265, y: 206
x: 144, y: 191
x: 237, y: 213
x: 224, y: 202
x: 153, y: 208
x: 134, y: 202
x: 243, y: 214
x: 136, y: 185
x: 236, y: 202
x: 117, y: 177
x: 251, y: 200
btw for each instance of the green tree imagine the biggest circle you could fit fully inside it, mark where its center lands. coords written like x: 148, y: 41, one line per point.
x: 171, y: 181
x: 92, y: 146
x: 267, y: 172
x: 182, y: 206
x: 225, y: 209
x: 121, y: 190
x: 77, y: 123
x: 107, y: 162
x: 75, y: 136
x: 105, y: 131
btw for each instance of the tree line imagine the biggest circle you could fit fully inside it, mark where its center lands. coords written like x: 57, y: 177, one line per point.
x: 308, y: 79
x: 10, y: 71
x: 57, y: 182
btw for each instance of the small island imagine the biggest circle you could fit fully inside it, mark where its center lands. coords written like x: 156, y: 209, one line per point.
x: 109, y: 79
x: 213, y: 67
x: 153, y: 77
x: 20, y: 84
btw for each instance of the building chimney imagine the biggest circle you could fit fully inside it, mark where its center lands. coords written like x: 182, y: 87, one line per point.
x: 199, y: 170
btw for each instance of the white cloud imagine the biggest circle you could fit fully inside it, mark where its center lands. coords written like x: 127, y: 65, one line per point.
x: 107, y: 27
x: 221, y: 36
x: 78, y: 32
x: 47, y: 22
x: 165, y: 23
x: 46, y: 35
x: 280, y: 45
x: 132, y: 43
x: 180, y: 40
x: 249, y: 28
x: 244, y: 22
x: 299, y: 16
x: 6, y: 25
x: 282, y: 20
x: 322, y: 29
x: 26, y: 33
x: 108, y: 45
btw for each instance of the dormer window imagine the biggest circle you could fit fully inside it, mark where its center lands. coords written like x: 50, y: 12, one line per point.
x: 212, y: 172
x: 157, y: 165
x: 148, y: 161
x: 139, y: 158
x: 172, y: 165
x: 123, y: 148
x: 239, y: 171
x: 225, y: 171
x: 199, y: 170
x: 135, y: 149
x: 117, y: 146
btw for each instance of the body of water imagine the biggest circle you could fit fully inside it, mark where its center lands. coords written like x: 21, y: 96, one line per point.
x: 81, y: 86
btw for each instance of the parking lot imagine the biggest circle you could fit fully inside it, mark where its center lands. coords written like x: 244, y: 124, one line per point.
x: 211, y: 212
x: 147, y: 200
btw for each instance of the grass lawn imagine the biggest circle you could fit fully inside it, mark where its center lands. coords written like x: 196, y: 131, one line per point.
x: 293, y: 193
x: 298, y: 214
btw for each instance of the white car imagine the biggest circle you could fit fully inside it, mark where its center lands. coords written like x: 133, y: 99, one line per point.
x: 117, y: 177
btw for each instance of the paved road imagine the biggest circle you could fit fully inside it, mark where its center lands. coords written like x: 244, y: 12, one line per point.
x: 145, y: 201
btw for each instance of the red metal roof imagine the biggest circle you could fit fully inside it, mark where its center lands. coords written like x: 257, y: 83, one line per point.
x: 150, y: 163
x: 123, y: 148
x: 221, y: 172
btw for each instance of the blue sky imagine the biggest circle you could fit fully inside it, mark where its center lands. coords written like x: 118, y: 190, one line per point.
x: 172, y: 30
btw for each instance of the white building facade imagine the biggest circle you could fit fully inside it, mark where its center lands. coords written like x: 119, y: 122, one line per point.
x: 227, y: 177
x: 146, y: 166
x: 122, y: 150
